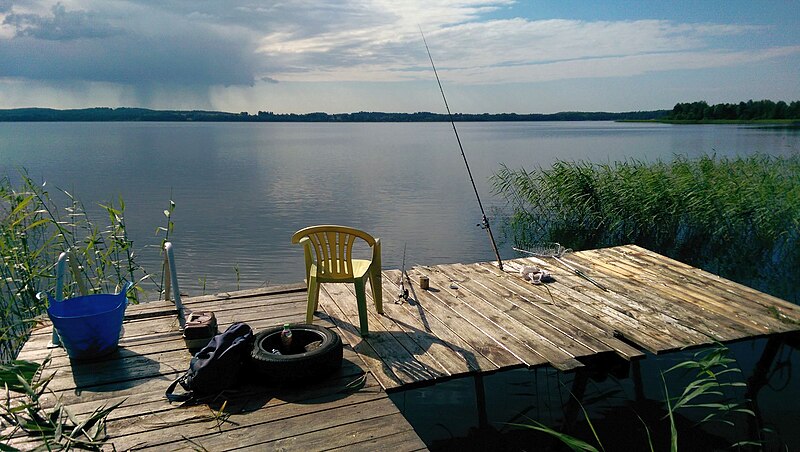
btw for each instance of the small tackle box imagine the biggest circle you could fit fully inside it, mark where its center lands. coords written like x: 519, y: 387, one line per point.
x: 200, y: 328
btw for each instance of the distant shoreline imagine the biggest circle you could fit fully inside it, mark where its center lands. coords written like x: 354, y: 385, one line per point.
x: 764, y: 122
x: 125, y: 114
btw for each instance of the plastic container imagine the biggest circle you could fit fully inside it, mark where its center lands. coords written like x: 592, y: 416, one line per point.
x: 89, y: 326
x: 200, y: 328
x: 286, y: 338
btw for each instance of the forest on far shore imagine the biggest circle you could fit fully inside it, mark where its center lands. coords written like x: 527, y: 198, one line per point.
x: 743, y: 111
x: 144, y: 114
x: 762, y: 110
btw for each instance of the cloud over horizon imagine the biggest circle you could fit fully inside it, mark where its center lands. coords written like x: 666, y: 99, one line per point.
x: 148, y: 49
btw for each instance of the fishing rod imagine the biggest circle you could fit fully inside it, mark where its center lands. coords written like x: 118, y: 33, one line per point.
x: 484, y: 221
x: 403, y: 295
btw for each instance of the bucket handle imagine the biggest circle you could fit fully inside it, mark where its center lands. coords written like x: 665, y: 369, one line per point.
x: 42, y: 296
x: 125, y: 288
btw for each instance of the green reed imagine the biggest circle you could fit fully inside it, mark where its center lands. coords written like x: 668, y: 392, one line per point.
x: 56, y: 427
x: 712, y: 391
x: 737, y: 217
x: 33, y: 232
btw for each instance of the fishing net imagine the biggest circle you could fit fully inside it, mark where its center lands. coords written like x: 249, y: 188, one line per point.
x: 555, y: 250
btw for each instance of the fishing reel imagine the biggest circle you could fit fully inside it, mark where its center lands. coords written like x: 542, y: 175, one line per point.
x: 403, y: 292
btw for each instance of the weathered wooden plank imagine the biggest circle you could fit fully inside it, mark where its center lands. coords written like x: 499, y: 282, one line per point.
x: 730, y: 298
x: 250, y: 310
x: 562, y: 334
x: 153, y: 354
x: 648, y: 293
x: 449, y: 307
x: 154, y: 341
x: 543, y: 337
x: 150, y: 410
x: 246, y: 398
x: 260, y: 426
x: 534, y: 297
x: 351, y: 335
x: 358, y: 435
x: 619, y: 317
x: 642, y: 301
x: 137, y: 313
x: 403, y: 441
x: 148, y: 390
x: 404, y: 365
x: 273, y: 293
x: 489, y: 320
x: 126, y: 368
x: 462, y: 335
x: 759, y: 297
x: 683, y: 305
x: 389, y: 326
x: 430, y: 333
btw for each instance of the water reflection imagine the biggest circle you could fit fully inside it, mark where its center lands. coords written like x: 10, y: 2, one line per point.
x: 242, y: 189
x: 619, y: 405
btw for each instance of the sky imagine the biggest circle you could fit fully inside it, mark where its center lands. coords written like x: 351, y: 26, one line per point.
x: 338, y: 56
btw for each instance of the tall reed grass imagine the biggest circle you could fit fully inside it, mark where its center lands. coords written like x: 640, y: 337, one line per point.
x: 737, y: 217
x: 707, y: 392
x: 33, y: 232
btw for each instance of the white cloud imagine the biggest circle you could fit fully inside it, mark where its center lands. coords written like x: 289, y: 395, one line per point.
x: 475, y: 52
x: 201, y: 49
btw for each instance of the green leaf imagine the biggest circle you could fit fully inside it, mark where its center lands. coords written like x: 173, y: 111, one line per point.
x: 356, y: 384
x: 36, y: 224
x: 7, y: 448
x: 577, y: 445
x: 22, y: 205
x: 11, y: 373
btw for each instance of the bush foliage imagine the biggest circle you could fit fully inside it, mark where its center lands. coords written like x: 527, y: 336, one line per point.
x: 33, y: 232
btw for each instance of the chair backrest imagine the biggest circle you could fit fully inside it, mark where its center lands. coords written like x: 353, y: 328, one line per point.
x: 332, y: 246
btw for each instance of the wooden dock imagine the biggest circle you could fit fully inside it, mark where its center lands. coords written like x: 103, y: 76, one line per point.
x: 474, y: 319
x: 321, y: 416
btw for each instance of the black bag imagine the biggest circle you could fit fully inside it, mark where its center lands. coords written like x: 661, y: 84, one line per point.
x: 216, y: 366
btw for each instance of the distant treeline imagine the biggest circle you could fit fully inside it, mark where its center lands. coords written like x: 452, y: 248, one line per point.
x: 142, y: 114
x: 743, y: 111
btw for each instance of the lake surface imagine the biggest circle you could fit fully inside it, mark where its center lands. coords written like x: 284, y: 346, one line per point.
x: 241, y: 191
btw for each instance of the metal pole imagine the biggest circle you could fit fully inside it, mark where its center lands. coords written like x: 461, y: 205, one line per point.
x: 60, y: 264
x: 174, y: 278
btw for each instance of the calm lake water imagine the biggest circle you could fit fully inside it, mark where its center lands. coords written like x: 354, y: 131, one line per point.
x: 241, y: 190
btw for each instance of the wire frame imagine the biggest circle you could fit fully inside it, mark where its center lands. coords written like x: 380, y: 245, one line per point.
x: 547, y: 249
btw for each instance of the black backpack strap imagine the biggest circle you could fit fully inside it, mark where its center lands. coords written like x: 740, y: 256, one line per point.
x: 186, y: 396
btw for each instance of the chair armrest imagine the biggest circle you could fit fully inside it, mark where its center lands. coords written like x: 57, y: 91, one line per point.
x: 306, y: 242
x: 376, y: 254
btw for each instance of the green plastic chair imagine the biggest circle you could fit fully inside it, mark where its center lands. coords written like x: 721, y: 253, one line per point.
x: 329, y: 258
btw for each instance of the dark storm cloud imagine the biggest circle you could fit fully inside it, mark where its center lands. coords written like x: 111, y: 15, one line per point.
x: 78, y: 45
x: 62, y: 25
x: 192, y: 60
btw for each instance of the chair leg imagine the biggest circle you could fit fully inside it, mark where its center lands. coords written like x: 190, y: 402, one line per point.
x: 376, y: 282
x: 313, y: 297
x: 361, y: 299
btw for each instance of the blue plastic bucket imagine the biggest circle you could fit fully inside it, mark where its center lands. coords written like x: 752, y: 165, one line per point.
x: 89, y: 326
